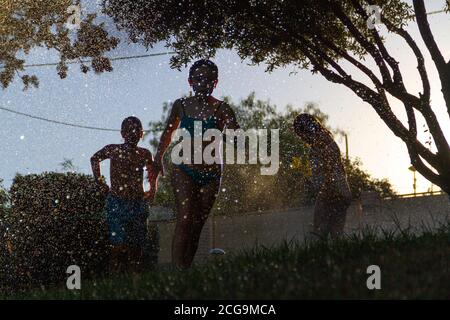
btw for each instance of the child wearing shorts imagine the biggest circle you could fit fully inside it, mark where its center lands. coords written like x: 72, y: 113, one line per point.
x: 126, y: 202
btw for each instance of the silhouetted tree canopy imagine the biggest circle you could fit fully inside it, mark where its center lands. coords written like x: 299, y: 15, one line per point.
x: 29, y: 24
x: 316, y: 34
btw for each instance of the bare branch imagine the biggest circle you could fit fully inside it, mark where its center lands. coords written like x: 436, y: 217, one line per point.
x: 378, y: 102
x: 398, y: 79
x: 427, y: 36
x: 420, y: 166
x: 425, y: 97
x: 439, y: 61
x: 399, y: 91
x: 329, y: 44
x: 371, y: 49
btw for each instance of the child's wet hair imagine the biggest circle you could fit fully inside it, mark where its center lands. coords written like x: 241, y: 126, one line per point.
x: 131, y: 129
x: 204, y: 63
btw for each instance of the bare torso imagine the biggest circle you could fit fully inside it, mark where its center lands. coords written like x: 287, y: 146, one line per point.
x: 127, y: 170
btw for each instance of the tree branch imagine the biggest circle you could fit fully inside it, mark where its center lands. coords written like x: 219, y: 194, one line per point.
x: 425, y: 97
x: 352, y: 60
x: 398, y: 79
x: 316, y: 51
x: 427, y: 36
x: 439, y: 61
x: 420, y: 166
x: 378, y: 102
x: 399, y: 91
x: 371, y: 49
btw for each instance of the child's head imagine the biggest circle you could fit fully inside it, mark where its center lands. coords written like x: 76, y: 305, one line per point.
x: 203, y: 77
x: 308, y: 127
x: 132, y: 130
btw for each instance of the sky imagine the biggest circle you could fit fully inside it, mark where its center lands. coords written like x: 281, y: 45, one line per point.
x: 140, y: 86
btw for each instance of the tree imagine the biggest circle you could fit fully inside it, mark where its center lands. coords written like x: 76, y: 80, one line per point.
x: 246, y: 190
x: 28, y: 24
x: 67, y: 165
x: 313, y: 34
x: 4, y: 197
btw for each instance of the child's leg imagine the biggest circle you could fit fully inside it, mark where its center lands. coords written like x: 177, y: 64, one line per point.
x: 114, y: 207
x: 116, y: 260
x: 337, y: 222
x: 205, y: 199
x: 184, y: 195
x: 136, y: 235
x: 135, y: 263
x: 321, y: 218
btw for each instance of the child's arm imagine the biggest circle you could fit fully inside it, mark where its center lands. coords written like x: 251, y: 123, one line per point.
x: 227, y: 121
x: 227, y: 117
x: 172, y: 124
x: 98, y: 157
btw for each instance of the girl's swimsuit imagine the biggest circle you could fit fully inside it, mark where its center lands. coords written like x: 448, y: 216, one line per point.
x: 200, y: 177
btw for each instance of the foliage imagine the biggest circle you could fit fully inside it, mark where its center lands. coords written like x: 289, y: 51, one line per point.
x: 56, y: 221
x: 67, y: 165
x: 258, y: 30
x: 330, y: 37
x: 360, y: 181
x: 28, y: 24
x: 4, y: 197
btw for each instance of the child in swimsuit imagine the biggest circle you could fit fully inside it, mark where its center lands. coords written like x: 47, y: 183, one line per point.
x: 126, y: 203
x: 328, y: 176
x: 195, y: 185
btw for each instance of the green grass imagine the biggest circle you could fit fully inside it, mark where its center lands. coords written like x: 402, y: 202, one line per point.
x: 412, y: 266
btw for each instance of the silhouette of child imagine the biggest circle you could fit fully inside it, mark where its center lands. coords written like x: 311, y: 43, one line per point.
x: 328, y: 176
x: 126, y: 202
x: 196, y: 186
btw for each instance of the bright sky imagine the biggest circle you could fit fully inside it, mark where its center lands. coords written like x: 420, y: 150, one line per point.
x: 139, y: 87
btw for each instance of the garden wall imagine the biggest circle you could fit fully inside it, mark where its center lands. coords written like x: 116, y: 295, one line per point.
x: 234, y: 233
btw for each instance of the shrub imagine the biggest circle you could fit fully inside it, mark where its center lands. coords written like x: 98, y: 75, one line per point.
x: 58, y: 220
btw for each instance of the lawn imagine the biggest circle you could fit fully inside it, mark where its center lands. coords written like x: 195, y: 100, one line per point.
x: 412, y: 267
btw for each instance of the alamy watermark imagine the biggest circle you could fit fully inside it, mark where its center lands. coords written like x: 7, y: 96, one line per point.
x: 74, y: 279
x: 374, y: 280
x: 374, y: 13
x: 258, y: 147
x: 74, y: 20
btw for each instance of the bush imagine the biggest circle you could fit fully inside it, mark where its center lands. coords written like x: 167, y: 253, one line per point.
x: 361, y: 181
x: 58, y: 220
x: 5, y: 263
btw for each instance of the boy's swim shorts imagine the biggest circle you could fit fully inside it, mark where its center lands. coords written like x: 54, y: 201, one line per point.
x: 126, y: 221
